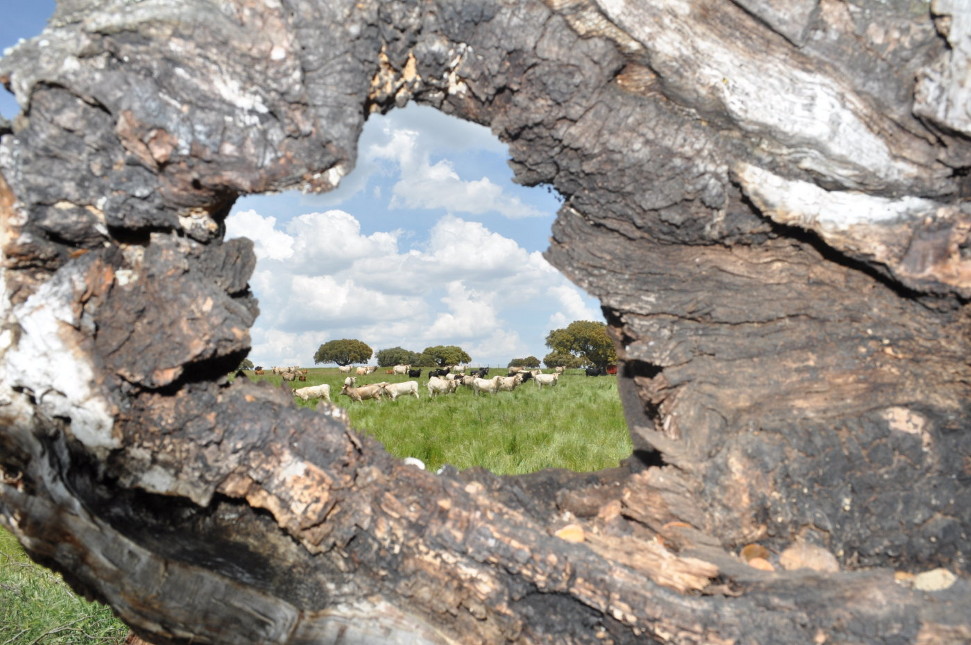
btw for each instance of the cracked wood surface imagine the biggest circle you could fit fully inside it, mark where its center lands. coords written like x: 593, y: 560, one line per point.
x: 769, y: 200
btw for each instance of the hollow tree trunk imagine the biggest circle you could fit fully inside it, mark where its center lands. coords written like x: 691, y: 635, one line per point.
x: 769, y: 199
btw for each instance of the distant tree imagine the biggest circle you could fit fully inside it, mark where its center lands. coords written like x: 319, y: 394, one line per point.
x: 443, y: 355
x: 529, y: 361
x: 585, y: 339
x: 424, y: 360
x: 562, y: 359
x: 396, y: 356
x: 247, y: 364
x: 343, y: 352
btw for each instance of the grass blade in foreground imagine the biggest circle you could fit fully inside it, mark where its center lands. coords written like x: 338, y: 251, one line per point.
x: 37, y: 606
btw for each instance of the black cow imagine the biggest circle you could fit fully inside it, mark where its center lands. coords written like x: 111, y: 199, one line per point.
x: 595, y: 371
x: 414, y: 373
x: 483, y: 372
x: 439, y: 373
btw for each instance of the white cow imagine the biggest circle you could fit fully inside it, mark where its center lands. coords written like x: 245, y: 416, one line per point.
x: 438, y: 385
x: 509, y: 383
x: 546, y: 379
x: 400, y: 369
x: 344, y: 369
x: 350, y: 380
x: 394, y: 390
x: 485, y: 385
x: 314, y: 391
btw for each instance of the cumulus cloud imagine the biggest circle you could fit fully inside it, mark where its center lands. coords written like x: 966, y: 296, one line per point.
x: 319, y: 277
x: 428, y: 185
x: 445, y: 133
x: 316, y: 242
x: 273, y: 347
x: 269, y: 243
x: 325, y: 272
x: 470, y: 314
x: 572, y: 306
x: 456, y: 244
x: 331, y: 241
x: 400, y: 146
x: 329, y: 300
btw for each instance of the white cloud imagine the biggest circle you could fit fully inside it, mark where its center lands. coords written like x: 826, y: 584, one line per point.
x: 315, y: 242
x: 467, y: 285
x: 331, y: 241
x: 407, y: 273
x: 427, y: 185
x: 438, y: 279
x: 269, y: 243
x: 504, y: 344
x: 573, y: 305
x: 559, y: 320
x: 401, y: 143
x: 330, y: 300
x: 273, y: 347
x: 456, y: 244
x: 470, y: 314
x: 443, y: 132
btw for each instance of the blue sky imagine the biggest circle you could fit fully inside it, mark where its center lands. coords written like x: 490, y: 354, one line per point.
x: 427, y: 242
x: 20, y: 19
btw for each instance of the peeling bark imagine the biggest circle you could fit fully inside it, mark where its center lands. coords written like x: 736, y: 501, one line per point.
x: 769, y: 199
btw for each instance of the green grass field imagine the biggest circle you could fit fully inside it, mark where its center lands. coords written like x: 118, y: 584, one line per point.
x: 36, y: 606
x: 578, y: 425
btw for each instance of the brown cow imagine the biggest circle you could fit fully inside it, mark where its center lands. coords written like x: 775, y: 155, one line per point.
x: 372, y: 391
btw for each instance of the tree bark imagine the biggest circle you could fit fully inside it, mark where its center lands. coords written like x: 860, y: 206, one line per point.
x: 769, y: 199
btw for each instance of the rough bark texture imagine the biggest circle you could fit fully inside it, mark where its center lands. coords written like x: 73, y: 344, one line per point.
x: 769, y: 199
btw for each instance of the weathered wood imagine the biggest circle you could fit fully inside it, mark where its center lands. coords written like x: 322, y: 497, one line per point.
x: 769, y: 199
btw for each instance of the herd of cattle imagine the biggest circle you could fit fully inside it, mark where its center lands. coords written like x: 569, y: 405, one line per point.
x: 292, y: 373
x: 442, y: 381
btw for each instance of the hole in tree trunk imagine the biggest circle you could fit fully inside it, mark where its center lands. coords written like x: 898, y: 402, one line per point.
x: 427, y: 243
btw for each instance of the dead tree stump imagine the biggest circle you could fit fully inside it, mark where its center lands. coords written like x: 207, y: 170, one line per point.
x: 771, y: 203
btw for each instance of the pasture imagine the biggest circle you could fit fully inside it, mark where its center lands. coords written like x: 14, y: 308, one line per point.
x: 36, y: 606
x: 577, y: 424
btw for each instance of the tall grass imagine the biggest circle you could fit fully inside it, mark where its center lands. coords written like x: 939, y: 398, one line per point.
x: 578, y: 425
x: 36, y: 606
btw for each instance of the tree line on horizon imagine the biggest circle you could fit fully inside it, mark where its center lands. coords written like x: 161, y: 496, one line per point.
x: 582, y: 343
